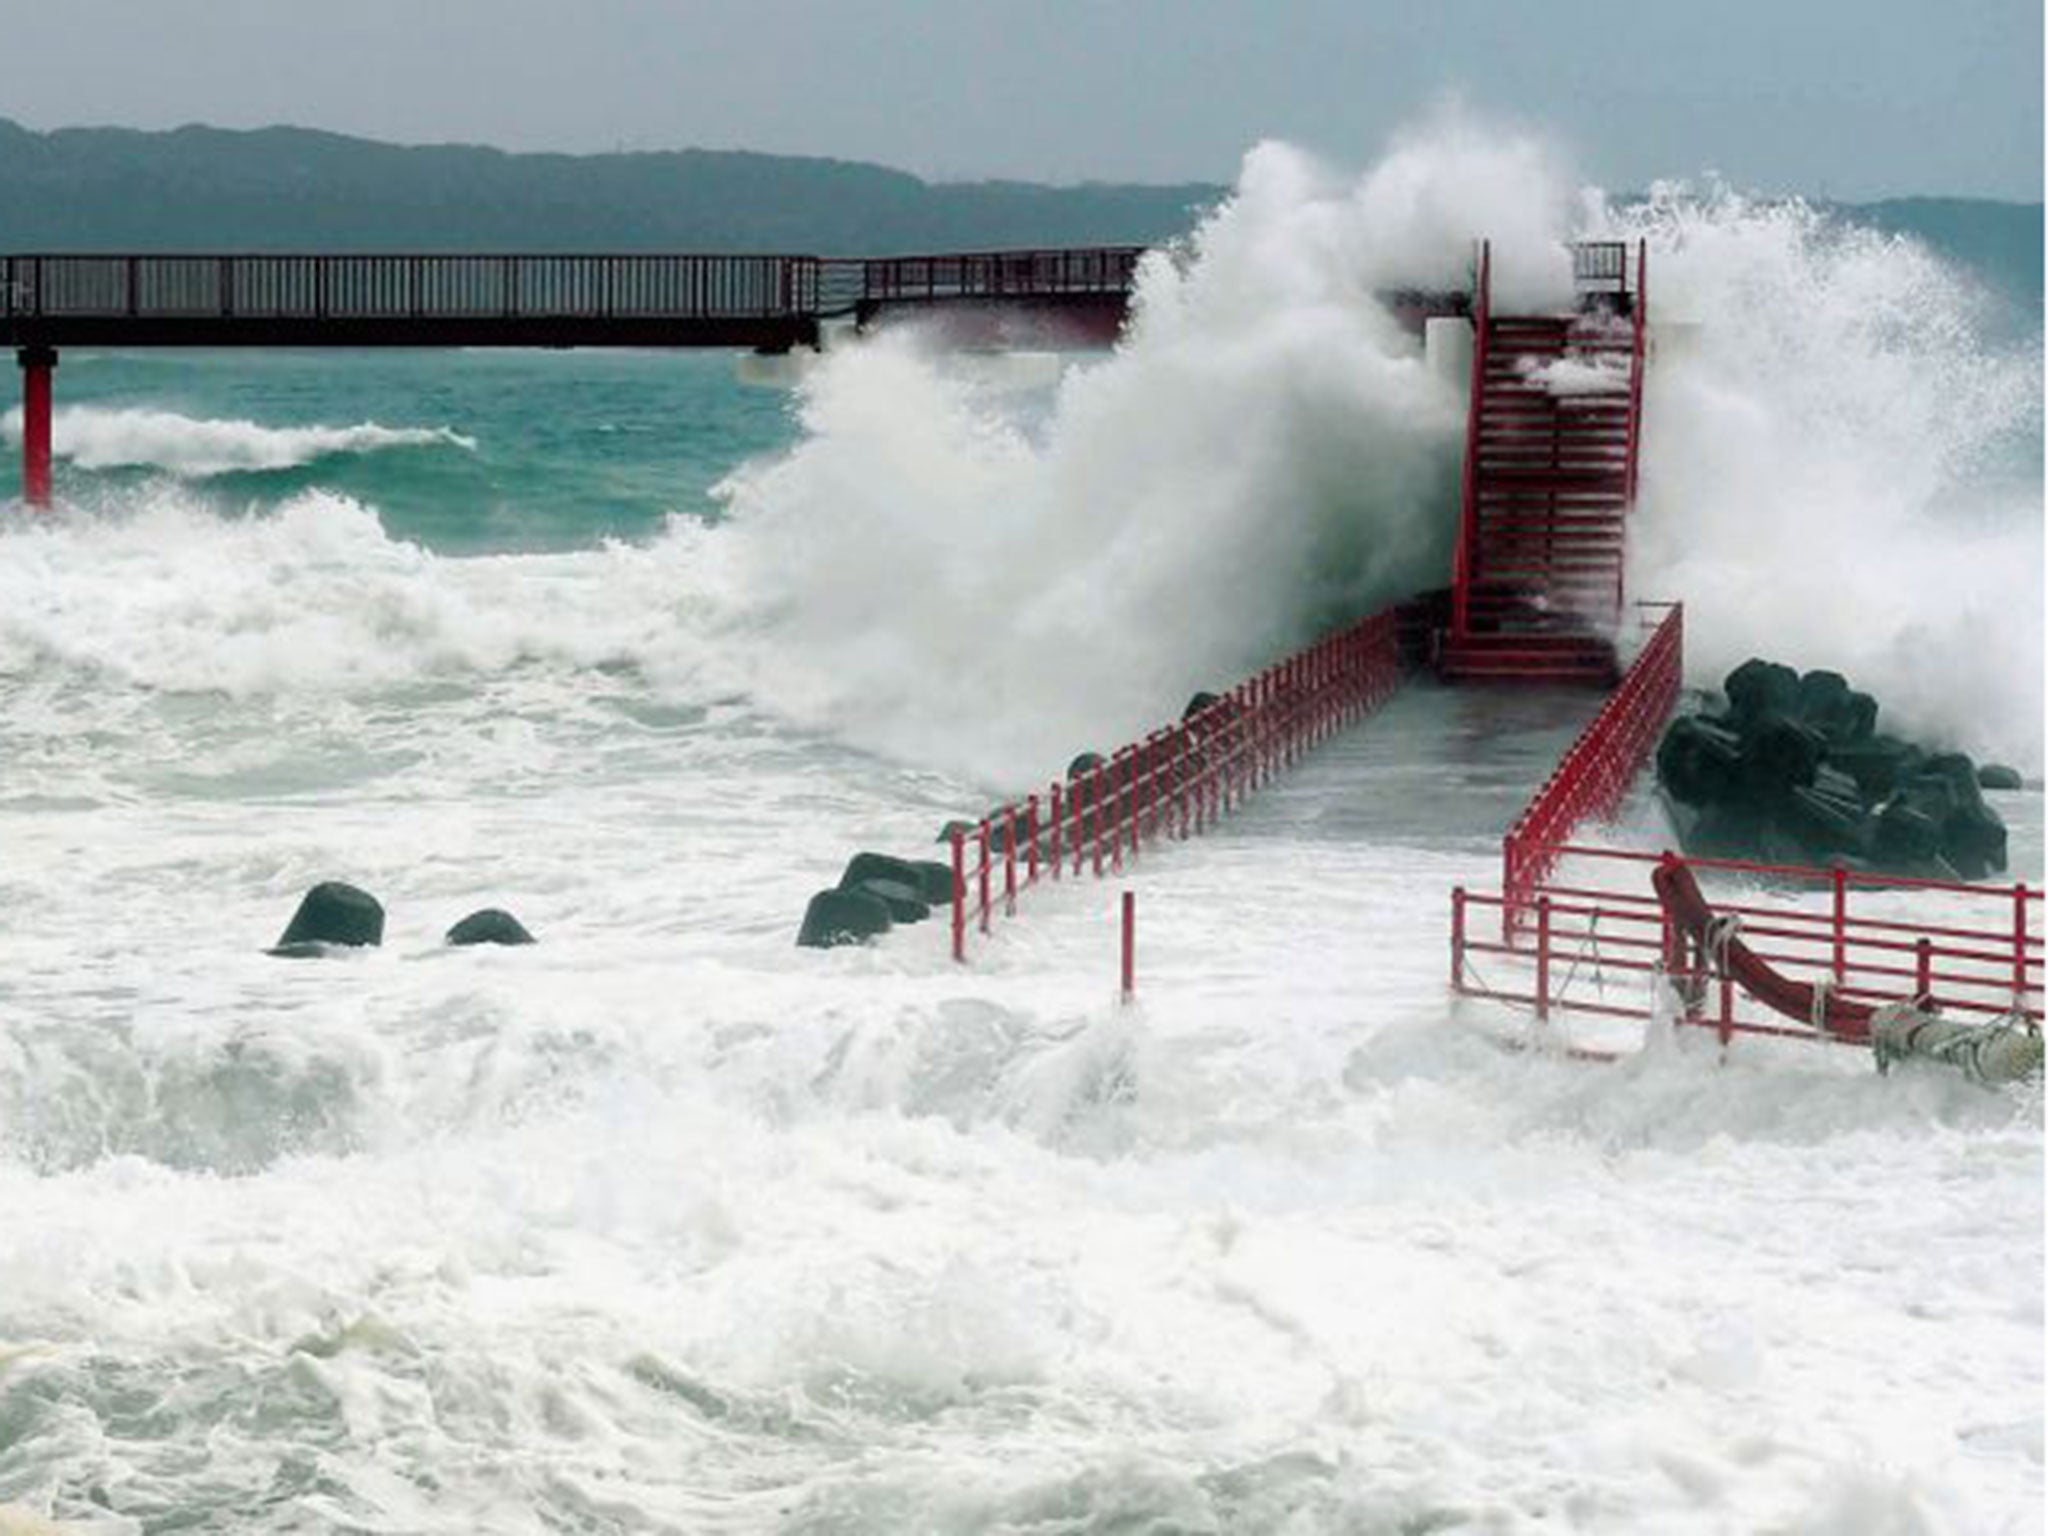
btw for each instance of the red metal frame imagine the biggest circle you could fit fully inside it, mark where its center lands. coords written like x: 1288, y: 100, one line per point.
x: 1595, y: 772
x: 1180, y: 780
x: 1975, y: 950
x: 1547, y: 483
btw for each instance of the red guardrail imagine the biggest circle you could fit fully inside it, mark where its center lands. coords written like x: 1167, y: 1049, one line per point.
x: 1597, y: 769
x: 1179, y: 780
x: 1975, y: 950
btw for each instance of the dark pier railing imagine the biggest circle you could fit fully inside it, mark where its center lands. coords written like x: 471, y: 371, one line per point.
x: 767, y: 302
x: 763, y: 301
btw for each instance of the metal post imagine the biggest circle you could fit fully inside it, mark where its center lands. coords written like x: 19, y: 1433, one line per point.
x: 959, y: 895
x: 37, y: 364
x: 1095, y: 814
x: 1130, y: 946
x: 1510, y: 887
x: 2019, y: 944
x: 1134, y: 794
x: 981, y: 836
x: 1058, y: 826
x: 1009, y: 861
x: 1543, y: 957
x: 1120, y: 779
x: 1181, y: 769
x: 1839, y: 878
x: 1457, y: 938
x: 1923, y: 971
x: 1031, y: 833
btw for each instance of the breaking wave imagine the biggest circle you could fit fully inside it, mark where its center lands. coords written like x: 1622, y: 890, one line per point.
x: 98, y: 438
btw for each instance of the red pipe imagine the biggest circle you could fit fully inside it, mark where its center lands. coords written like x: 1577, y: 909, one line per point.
x: 37, y: 364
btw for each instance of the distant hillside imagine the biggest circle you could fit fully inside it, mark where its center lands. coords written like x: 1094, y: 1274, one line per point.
x: 208, y: 189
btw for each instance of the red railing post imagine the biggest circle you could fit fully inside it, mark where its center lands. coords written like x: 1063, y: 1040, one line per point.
x: 1095, y: 814
x: 1117, y: 781
x: 1058, y: 857
x: 2019, y: 944
x: 1130, y: 946
x: 1839, y: 879
x: 1009, y: 861
x: 1457, y: 938
x: 1180, y: 781
x: 1510, y: 886
x: 1543, y: 957
x: 981, y: 837
x: 1667, y: 947
x: 1136, y: 832
x: 1148, y: 794
x: 1031, y: 825
x: 1256, y: 770
x: 1923, y: 971
x: 959, y: 895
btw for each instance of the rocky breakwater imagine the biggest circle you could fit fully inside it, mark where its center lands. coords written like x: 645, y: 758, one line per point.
x: 1790, y: 768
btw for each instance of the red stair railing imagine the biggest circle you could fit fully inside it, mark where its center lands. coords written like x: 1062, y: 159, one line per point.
x: 1595, y: 772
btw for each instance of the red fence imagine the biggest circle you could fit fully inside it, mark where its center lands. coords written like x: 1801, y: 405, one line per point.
x: 1600, y: 937
x: 1592, y: 777
x: 1178, y: 781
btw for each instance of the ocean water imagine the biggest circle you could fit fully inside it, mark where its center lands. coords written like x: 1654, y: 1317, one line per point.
x: 664, y: 1225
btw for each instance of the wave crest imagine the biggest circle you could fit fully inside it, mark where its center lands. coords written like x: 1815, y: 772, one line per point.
x: 100, y: 437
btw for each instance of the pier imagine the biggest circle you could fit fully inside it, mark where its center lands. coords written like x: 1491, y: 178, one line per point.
x: 766, y: 303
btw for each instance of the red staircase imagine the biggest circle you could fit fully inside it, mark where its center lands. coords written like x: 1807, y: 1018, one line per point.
x: 1550, y: 473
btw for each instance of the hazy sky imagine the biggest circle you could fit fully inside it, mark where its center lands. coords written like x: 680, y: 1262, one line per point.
x: 1849, y: 98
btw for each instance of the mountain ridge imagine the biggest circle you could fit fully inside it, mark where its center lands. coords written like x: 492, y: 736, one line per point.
x: 286, y: 188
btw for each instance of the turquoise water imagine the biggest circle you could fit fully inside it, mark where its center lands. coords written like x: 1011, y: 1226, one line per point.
x: 570, y: 449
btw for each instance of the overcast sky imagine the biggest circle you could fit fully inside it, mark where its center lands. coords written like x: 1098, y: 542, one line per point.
x: 1846, y: 98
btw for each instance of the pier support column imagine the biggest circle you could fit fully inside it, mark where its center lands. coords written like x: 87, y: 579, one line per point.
x: 37, y: 364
